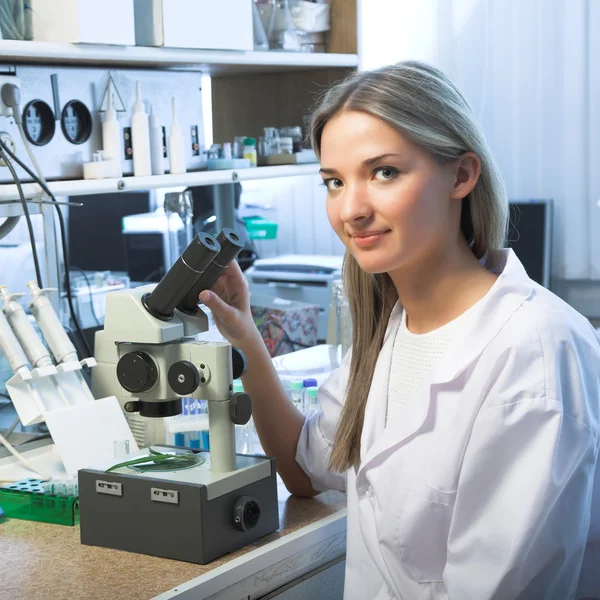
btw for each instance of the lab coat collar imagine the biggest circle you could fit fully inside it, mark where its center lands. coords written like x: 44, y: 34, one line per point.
x: 487, y: 318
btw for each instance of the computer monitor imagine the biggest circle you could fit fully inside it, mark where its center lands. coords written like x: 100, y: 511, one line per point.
x: 530, y: 236
x: 95, y: 229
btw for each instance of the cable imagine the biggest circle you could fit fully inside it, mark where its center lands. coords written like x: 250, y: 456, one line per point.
x: 90, y: 293
x: 61, y: 222
x: 9, y: 431
x: 22, y: 459
x: 17, y: 181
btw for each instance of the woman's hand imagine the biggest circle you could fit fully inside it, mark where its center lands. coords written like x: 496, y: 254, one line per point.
x: 229, y: 301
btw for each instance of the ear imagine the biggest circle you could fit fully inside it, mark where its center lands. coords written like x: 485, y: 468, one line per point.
x: 466, y: 174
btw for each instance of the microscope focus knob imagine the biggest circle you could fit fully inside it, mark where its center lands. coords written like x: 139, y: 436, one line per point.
x: 184, y: 378
x: 240, y: 408
x: 246, y: 513
x: 137, y: 372
x: 238, y: 362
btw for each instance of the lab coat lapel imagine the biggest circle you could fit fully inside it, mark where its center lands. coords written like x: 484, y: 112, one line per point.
x: 374, y: 422
x: 510, y: 291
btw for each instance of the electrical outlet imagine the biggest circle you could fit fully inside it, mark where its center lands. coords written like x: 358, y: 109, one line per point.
x: 9, y: 142
x: 6, y: 111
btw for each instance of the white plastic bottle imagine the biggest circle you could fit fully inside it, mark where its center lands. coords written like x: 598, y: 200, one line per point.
x: 111, y: 132
x: 140, y: 137
x: 176, y: 147
x: 156, y: 145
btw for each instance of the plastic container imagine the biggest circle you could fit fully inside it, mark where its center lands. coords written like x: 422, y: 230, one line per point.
x: 111, y: 131
x: 311, y: 400
x: 250, y: 151
x: 27, y: 500
x: 296, y: 394
x: 260, y: 229
x: 176, y: 145
x: 306, y: 384
x: 287, y: 145
x: 140, y: 137
x: 156, y: 145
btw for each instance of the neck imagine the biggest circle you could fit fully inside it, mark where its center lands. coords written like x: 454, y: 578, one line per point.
x: 442, y: 286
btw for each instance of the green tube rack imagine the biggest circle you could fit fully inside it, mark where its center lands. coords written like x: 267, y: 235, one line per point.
x: 27, y: 500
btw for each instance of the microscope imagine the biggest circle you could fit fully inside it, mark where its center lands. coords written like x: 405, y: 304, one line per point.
x: 149, y: 357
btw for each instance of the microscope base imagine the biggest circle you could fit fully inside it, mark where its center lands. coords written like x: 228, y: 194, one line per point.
x: 185, y: 515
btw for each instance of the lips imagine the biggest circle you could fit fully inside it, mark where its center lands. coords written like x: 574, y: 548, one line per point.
x: 368, y: 238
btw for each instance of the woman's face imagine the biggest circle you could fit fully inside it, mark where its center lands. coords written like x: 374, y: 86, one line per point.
x: 388, y: 200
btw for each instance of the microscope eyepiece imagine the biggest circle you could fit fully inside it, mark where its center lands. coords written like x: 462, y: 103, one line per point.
x: 230, y: 245
x: 186, y: 270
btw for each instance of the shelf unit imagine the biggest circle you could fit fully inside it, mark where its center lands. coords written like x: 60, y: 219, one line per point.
x: 250, y: 90
x: 213, y: 62
x: 82, y: 187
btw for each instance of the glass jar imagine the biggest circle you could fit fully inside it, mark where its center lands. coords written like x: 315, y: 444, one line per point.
x: 343, y: 320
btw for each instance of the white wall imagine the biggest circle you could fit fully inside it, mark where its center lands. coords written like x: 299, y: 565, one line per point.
x: 530, y: 71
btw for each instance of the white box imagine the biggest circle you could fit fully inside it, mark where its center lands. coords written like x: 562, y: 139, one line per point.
x: 203, y: 24
x: 83, y: 21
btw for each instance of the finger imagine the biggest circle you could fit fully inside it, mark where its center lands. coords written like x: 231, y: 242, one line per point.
x: 220, y: 309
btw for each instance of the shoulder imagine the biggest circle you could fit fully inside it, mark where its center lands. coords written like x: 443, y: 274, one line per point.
x: 547, y: 350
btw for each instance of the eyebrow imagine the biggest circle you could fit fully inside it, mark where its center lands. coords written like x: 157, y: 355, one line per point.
x: 367, y: 163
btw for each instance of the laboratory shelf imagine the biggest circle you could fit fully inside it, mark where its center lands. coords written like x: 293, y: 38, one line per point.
x: 213, y: 62
x: 82, y: 187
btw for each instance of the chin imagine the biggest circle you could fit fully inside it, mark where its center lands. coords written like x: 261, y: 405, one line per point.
x: 373, y: 264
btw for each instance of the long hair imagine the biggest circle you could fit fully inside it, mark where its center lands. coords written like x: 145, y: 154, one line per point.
x: 420, y: 102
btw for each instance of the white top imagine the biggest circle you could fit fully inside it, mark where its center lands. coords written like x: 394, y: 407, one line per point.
x: 485, y: 488
x: 413, y: 357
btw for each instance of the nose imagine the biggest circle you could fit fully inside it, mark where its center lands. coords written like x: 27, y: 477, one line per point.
x: 355, y: 204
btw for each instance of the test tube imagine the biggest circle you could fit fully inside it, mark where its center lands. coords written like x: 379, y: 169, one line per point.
x: 312, y: 400
x: 296, y: 389
x: 121, y: 448
x: 307, y: 383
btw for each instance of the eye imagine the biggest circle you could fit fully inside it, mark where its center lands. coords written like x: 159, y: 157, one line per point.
x: 385, y: 173
x: 332, y: 184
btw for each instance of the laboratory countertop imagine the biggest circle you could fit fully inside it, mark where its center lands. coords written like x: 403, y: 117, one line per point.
x: 40, y: 561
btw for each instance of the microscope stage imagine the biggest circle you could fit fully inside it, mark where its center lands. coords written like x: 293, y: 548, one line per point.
x: 249, y: 469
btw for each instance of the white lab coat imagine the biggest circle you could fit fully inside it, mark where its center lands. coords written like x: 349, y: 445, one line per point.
x: 485, y: 489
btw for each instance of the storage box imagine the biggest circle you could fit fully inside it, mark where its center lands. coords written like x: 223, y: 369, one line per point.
x: 206, y: 24
x: 285, y: 325
x: 83, y: 21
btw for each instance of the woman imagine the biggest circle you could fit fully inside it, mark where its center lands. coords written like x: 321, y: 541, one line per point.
x: 464, y: 423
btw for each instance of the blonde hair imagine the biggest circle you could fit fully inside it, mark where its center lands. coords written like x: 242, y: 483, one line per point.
x: 419, y: 101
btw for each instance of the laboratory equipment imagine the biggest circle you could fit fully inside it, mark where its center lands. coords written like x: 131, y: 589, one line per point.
x: 176, y: 147
x: 140, y: 136
x: 76, y: 122
x: 296, y: 388
x: 250, y: 150
x: 149, y: 357
x: 306, y: 385
x: 304, y: 278
x: 281, y: 31
x: 157, y: 148
x: 342, y: 318
x: 35, y: 500
x: 261, y: 42
x: 312, y: 400
x: 112, y: 140
x: 179, y: 212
